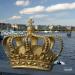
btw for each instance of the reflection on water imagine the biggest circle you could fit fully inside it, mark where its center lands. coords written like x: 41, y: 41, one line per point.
x: 68, y: 55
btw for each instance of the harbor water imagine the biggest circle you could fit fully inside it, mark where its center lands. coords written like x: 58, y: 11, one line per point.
x: 67, y: 57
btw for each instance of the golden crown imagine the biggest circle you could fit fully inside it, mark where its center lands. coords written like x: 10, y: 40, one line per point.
x: 24, y: 51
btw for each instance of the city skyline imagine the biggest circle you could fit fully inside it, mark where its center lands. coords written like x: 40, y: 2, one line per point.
x: 44, y: 12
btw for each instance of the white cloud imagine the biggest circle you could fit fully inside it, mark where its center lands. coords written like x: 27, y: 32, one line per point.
x: 33, y: 10
x: 39, y: 16
x: 58, y: 7
x: 15, y: 17
x: 22, y: 2
x: 53, y: 8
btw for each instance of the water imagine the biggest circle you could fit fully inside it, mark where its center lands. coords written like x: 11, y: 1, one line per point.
x: 67, y: 56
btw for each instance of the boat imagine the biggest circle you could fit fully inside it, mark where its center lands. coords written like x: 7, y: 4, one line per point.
x: 69, y: 34
x: 6, y: 33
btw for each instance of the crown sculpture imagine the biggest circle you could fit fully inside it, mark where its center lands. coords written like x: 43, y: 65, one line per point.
x: 24, y: 51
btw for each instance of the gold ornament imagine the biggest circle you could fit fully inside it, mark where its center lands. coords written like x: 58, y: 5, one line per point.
x: 24, y: 51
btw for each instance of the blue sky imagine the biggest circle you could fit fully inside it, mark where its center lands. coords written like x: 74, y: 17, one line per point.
x: 42, y: 11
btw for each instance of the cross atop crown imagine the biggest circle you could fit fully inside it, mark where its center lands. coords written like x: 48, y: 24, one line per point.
x: 30, y: 22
